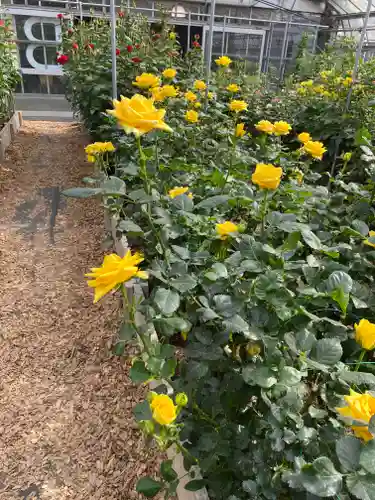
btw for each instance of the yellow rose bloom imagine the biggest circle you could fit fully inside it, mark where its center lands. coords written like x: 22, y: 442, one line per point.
x: 190, y: 96
x: 168, y: 91
x: 197, y: 105
x: 191, y: 116
x: 172, y: 35
x: 240, y: 130
x: 301, y: 91
x: 99, y: 148
x: 265, y: 126
x: 304, y: 137
x: 365, y: 334
x: 163, y: 409
x: 232, y: 87
x: 223, y: 61
x: 325, y: 74
x: 347, y: 81
x: 114, y: 271
x: 338, y: 80
x: 347, y: 156
x: 281, y: 128
x: 169, y: 73
x: 237, y: 106
x: 147, y: 81
x: 226, y: 229
x: 210, y: 95
x: 315, y: 148
x: 138, y: 115
x: 199, y: 85
x: 157, y: 94
x: 176, y: 191
x: 361, y: 407
x: 267, y: 176
x: 371, y: 233
x: 307, y: 83
x: 91, y: 158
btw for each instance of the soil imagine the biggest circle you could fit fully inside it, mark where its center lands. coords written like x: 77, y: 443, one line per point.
x: 66, y: 425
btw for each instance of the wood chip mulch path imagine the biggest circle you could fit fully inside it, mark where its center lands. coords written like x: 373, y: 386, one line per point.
x: 66, y: 424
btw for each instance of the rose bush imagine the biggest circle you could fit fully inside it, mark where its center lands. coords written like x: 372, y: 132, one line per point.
x: 8, y: 70
x: 259, y: 317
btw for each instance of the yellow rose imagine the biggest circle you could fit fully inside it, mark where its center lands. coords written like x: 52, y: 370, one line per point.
x: 157, y: 94
x: 267, y: 176
x: 91, y: 158
x: 338, y: 80
x: 163, y: 409
x: 210, y: 95
x: 361, y: 407
x: 226, y: 229
x: 315, y: 148
x: 240, y: 130
x: 325, y: 74
x: 365, y: 334
x: 199, y: 85
x: 265, y: 126
x: 138, y: 115
x: 347, y: 81
x: 191, y: 116
x: 304, y: 137
x: 301, y: 91
x: 232, y: 87
x: 99, y: 148
x: 197, y: 105
x: 237, y: 106
x: 114, y: 271
x: 177, y: 191
x: 190, y: 96
x: 172, y: 35
x: 347, y: 156
x: 307, y: 83
x: 169, y: 73
x: 223, y: 61
x: 281, y: 128
x: 169, y: 91
x: 318, y: 89
x: 147, y: 81
x: 367, y: 242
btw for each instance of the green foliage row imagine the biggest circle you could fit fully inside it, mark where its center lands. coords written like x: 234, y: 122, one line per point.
x: 8, y: 70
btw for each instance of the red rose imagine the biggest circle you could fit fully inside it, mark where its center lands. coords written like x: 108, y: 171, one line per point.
x: 129, y: 48
x: 197, y: 37
x: 121, y: 13
x: 2, y: 22
x: 118, y: 52
x: 137, y: 46
x: 196, y: 44
x: 91, y: 45
x: 75, y: 46
x: 60, y: 16
x: 136, y: 59
x: 63, y: 59
x: 70, y: 31
x: 156, y: 36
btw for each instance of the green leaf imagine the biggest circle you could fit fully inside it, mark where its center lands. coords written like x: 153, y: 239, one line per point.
x: 168, y: 369
x: 213, y: 201
x: 149, y: 487
x: 328, y: 351
x: 321, y: 478
x: 182, y: 252
x: 361, y: 486
x: 219, y: 270
x: 367, y: 458
x: 129, y: 226
x: 184, y: 283
x: 126, y: 334
x: 339, y: 280
x: 169, y: 326
x: 82, y: 192
x: 114, y: 186
x: 289, y: 376
x: 361, y: 227
x: 311, y: 239
x: 167, y: 301
x: 250, y: 486
x: 167, y: 472
x: 348, y: 449
x: 357, y: 378
x: 195, y: 485
x: 142, y: 411
x: 183, y: 202
x: 139, y: 372
x: 260, y: 375
x: 236, y: 324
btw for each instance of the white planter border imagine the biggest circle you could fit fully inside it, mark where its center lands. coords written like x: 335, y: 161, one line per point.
x: 8, y: 132
x: 110, y: 224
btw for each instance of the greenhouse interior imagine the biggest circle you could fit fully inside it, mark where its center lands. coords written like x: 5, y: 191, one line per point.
x: 187, y: 242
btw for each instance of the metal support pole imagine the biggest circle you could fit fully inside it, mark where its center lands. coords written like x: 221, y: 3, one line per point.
x: 189, y: 32
x: 209, y: 43
x: 113, y: 49
x: 359, y: 51
x: 315, y: 40
x: 284, y: 50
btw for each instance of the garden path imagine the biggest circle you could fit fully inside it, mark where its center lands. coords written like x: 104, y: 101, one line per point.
x: 66, y: 425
